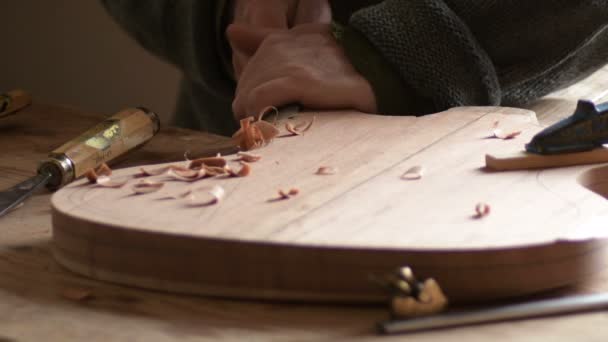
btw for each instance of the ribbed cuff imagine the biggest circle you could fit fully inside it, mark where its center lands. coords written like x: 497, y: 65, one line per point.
x: 393, y: 96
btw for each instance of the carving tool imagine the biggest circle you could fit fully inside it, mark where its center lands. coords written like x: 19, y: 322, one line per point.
x: 575, y: 140
x: 102, y: 143
x: 13, y: 101
x: 541, y: 308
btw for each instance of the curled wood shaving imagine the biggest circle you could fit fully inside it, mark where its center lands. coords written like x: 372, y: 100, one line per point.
x: 248, y: 157
x: 146, y: 187
x: 205, y: 196
x: 267, y: 110
x: 101, y: 170
x: 209, y: 161
x: 300, y: 128
x: 213, y: 171
x: 481, y: 210
x: 244, y: 171
x: 268, y: 131
x: 327, y: 170
x: 303, y: 127
x: 254, y: 135
x: 77, y: 294
x: 107, y: 182
x: 187, y: 175
x: 413, y: 173
x: 291, y: 129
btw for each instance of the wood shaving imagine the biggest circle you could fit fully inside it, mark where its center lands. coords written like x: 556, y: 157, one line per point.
x: 283, y: 195
x: 303, y: 127
x: 254, y: 135
x: 77, y: 294
x: 209, y: 161
x: 145, y: 172
x: 248, y: 157
x: 481, y: 210
x: 291, y: 129
x: 267, y: 110
x: 413, y: 173
x: 327, y: 170
x: 244, y: 171
x: 213, y: 171
x: 268, y: 130
x: 205, y: 196
x: 500, y: 134
x: 300, y: 128
x: 107, y: 182
x: 101, y: 170
x: 187, y: 175
x: 146, y: 187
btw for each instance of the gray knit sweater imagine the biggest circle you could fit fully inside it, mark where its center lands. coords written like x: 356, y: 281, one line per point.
x: 420, y: 56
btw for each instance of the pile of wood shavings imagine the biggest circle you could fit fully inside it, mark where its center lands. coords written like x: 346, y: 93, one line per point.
x: 195, y: 170
x: 256, y: 133
x: 253, y: 133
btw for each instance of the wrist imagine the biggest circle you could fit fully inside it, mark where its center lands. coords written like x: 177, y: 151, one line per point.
x: 392, y: 95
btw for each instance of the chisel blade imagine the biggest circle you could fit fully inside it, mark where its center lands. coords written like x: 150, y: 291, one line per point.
x: 14, y: 196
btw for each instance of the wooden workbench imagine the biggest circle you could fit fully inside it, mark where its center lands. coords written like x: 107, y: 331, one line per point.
x: 41, y: 301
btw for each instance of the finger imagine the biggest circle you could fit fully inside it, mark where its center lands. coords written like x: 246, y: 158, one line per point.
x: 246, y: 38
x: 312, y: 11
x: 277, y: 92
x: 328, y: 96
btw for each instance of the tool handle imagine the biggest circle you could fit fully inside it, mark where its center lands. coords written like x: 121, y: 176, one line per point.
x: 13, y: 101
x: 118, y: 134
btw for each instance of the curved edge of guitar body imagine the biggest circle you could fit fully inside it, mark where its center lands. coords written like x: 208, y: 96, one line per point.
x: 318, y: 274
x: 330, y: 241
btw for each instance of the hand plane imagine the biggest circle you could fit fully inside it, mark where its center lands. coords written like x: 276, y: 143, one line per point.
x: 575, y: 140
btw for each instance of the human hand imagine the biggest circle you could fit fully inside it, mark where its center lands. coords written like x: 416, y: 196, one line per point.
x: 267, y: 16
x: 303, y: 65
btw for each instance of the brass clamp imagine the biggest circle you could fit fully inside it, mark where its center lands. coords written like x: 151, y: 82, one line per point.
x: 410, y: 297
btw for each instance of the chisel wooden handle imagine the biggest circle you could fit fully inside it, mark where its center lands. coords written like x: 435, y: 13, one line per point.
x: 102, y: 143
x: 13, y: 101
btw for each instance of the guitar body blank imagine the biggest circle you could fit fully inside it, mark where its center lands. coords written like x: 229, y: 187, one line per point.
x: 544, y: 229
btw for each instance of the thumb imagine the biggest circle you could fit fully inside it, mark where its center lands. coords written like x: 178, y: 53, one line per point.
x: 312, y: 11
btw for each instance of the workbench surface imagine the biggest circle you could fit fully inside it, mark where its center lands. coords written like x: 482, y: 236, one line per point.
x: 39, y: 300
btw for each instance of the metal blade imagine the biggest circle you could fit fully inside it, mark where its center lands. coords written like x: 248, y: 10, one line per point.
x: 12, y: 197
x: 540, y: 308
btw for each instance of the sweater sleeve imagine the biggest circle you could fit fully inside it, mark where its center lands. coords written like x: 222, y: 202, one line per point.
x: 448, y: 53
x: 187, y: 33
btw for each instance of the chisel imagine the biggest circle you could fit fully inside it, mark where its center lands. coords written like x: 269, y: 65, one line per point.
x: 102, y: 143
x: 541, y: 308
x: 13, y: 101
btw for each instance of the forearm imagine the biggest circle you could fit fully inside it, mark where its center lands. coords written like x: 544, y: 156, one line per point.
x: 453, y: 53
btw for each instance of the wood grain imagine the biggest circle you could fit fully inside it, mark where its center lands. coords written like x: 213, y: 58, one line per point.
x: 327, y: 242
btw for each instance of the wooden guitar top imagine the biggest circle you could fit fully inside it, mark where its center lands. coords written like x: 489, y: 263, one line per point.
x: 544, y: 230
